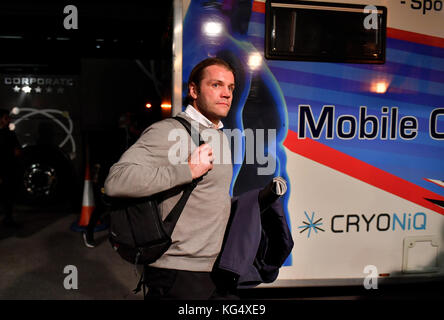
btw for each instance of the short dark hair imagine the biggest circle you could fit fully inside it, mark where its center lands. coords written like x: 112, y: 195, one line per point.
x: 196, y: 74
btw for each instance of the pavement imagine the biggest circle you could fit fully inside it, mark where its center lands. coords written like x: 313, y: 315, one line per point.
x: 45, y: 260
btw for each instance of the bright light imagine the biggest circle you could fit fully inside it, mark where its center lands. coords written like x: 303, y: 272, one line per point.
x: 148, y: 105
x: 255, y: 60
x: 26, y: 89
x: 165, y: 105
x: 380, y: 83
x: 380, y: 87
x: 15, y: 111
x: 212, y: 28
x: 11, y: 126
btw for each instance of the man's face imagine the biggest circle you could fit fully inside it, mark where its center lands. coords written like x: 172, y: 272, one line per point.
x: 215, y: 92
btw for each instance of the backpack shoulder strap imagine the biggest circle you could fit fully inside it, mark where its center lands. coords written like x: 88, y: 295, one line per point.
x: 172, y: 218
x: 195, y: 135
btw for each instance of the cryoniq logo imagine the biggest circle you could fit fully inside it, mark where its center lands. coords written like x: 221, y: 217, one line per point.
x: 342, y: 224
x: 311, y: 224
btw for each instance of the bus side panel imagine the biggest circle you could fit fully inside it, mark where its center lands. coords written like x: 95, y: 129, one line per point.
x: 360, y: 145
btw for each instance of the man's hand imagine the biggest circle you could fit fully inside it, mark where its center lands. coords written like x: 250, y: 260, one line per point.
x: 201, y: 161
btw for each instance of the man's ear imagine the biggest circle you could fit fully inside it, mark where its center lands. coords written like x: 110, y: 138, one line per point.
x: 193, y: 90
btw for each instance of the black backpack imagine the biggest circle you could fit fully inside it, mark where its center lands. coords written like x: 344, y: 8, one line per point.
x: 137, y: 231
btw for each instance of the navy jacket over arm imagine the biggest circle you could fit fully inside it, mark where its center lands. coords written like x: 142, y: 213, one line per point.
x: 255, y: 246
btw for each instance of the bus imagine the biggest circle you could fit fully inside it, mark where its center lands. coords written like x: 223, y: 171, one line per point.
x: 345, y: 100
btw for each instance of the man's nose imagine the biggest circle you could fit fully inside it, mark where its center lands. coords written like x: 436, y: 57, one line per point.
x: 226, y: 92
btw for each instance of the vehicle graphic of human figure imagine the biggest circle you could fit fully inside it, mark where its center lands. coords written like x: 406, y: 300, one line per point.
x: 219, y: 29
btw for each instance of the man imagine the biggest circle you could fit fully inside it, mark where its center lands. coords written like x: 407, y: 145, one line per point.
x: 184, y: 271
x: 10, y: 151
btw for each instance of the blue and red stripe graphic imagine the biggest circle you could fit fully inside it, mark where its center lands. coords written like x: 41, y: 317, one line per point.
x: 414, y: 76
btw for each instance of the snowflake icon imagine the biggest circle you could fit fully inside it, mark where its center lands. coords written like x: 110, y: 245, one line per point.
x: 310, y: 225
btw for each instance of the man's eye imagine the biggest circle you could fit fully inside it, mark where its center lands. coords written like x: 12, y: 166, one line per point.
x: 215, y: 85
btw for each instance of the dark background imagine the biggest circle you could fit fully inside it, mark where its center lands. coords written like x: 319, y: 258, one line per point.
x: 107, y: 58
